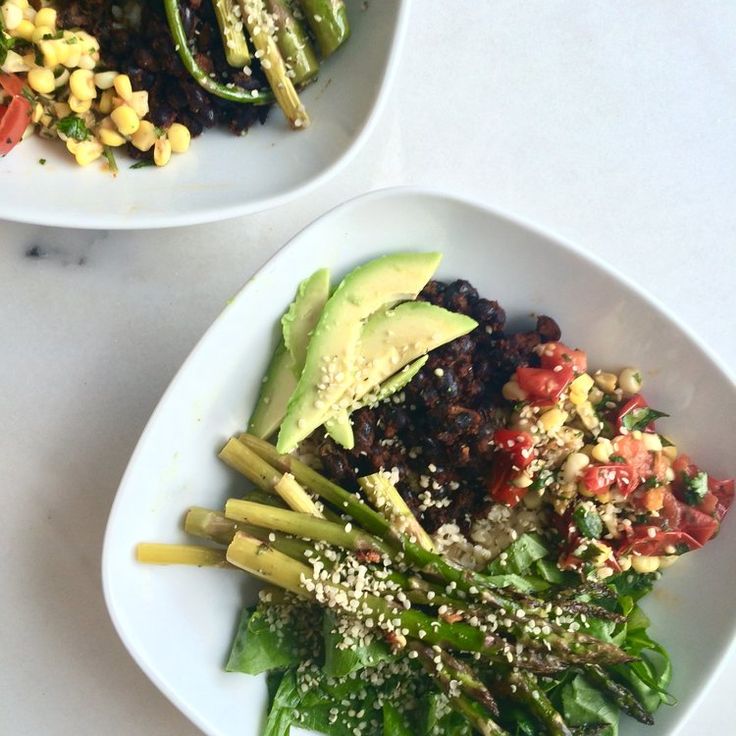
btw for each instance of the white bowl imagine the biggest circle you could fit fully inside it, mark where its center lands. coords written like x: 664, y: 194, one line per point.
x: 222, y: 175
x: 177, y: 622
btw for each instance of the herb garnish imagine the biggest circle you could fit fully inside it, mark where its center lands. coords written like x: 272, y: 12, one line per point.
x: 73, y: 127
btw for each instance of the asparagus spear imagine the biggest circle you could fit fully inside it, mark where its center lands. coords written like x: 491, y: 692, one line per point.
x: 225, y: 91
x: 179, y: 554
x: 328, y: 21
x: 525, y: 688
x: 261, y: 31
x: 384, y: 496
x: 621, y: 695
x: 296, y: 497
x: 245, y: 461
x: 231, y: 30
x: 469, y: 700
x: 296, y: 48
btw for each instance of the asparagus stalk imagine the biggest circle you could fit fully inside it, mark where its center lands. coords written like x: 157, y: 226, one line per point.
x: 303, y: 525
x: 261, y: 31
x: 328, y: 21
x: 469, y: 701
x: 296, y: 497
x: 386, y: 498
x: 525, y: 688
x: 573, y: 647
x: 621, y: 695
x: 179, y: 554
x: 245, y: 461
x: 231, y: 30
x: 225, y: 91
x: 296, y: 48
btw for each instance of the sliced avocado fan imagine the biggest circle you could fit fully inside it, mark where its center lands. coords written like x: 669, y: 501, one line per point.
x: 330, y: 361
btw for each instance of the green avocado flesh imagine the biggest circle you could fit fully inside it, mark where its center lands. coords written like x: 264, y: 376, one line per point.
x: 339, y: 426
x: 332, y: 350
x: 278, y: 384
x: 303, y: 314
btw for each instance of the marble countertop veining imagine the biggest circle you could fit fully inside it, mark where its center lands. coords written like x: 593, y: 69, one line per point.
x: 610, y: 124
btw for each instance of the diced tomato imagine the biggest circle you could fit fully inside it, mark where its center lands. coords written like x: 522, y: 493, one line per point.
x: 509, y: 495
x: 684, y: 465
x: 658, y: 542
x: 659, y: 466
x: 599, y: 478
x: 543, y: 383
x: 670, y: 515
x: 518, y: 445
x: 636, y: 456
x: 723, y: 490
x: 698, y: 525
x: 557, y: 353
x: 709, y: 504
x: 15, y: 117
x: 633, y: 404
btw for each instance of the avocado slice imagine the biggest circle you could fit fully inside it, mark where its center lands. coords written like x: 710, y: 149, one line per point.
x: 303, y: 314
x: 339, y: 426
x: 330, y: 361
x: 288, y: 358
x: 278, y: 384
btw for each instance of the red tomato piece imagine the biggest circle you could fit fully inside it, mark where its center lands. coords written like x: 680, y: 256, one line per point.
x: 723, y: 490
x: 500, y: 489
x: 659, y: 544
x: 683, y: 464
x: 557, y: 353
x: 670, y: 514
x: 634, y: 403
x: 13, y: 119
x: 518, y: 445
x: 636, y: 456
x: 698, y: 525
x: 509, y: 495
x: 543, y: 383
x: 599, y: 478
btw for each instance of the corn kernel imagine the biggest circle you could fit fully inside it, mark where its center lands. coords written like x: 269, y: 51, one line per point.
x: 87, y: 152
x: 644, y: 564
x: 12, y: 16
x: 41, y: 80
x: 24, y: 30
x: 62, y: 109
x: 73, y: 55
x: 71, y: 145
x: 624, y: 563
x: 79, y: 106
x: 109, y: 137
x: 125, y: 119
x: 630, y: 381
x: 22, y: 4
x: 82, y: 84
x: 522, y: 480
x: 123, y: 86
x: 29, y: 13
x: 602, y: 451
x: 580, y: 388
x: 595, y: 395
x: 61, y: 79
x: 139, y: 102
x: 667, y: 561
x: 105, y: 80
x: 88, y: 42
x: 606, y: 381
x: 37, y: 112
x: 511, y: 391
x: 86, y: 62
x: 161, y: 151
x: 41, y: 33
x: 105, y: 103
x: 604, y: 572
x: 670, y: 452
x: 553, y: 419
x: 144, y: 138
x: 651, y: 441
x: 179, y: 137
x: 46, y: 17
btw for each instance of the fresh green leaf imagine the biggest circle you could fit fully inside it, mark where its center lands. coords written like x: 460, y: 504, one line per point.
x: 584, y: 705
x: 73, y: 127
x: 696, y: 488
x: 439, y: 718
x: 393, y: 721
x: 271, y: 637
x: 519, y: 556
x: 143, y: 163
x: 522, y: 583
x: 549, y: 571
x: 6, y: 43
x: 588, y: 521
x: 640, y: 419
x: 280, y: 717
x: 341, y: 660
x: 543, y: 478
x: 111, y: 162
x: 632, y: 584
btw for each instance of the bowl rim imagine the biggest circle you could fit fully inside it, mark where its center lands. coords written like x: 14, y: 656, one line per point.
x: 396, y: 192
x: 121, y: 221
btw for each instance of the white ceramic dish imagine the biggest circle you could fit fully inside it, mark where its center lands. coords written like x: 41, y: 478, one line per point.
x: 177, y: 622
x: 222, y: 176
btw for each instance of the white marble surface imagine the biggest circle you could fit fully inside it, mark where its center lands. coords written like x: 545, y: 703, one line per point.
x: 609, y: 123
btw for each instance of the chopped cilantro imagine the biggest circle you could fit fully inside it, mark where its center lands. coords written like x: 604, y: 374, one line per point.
x: 588, y: 522
x: 73, y: 127
x: 617, y: 459
x: 696, y: 488
x: 42, y: 161
x: 6, y: 43
x: 143, y: 163
x: 640, y: 419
